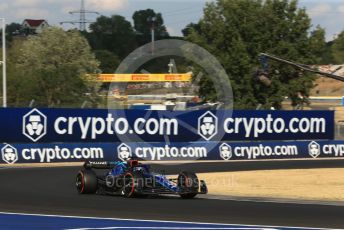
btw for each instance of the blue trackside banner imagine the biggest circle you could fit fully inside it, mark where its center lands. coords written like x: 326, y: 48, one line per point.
x: 178, y: 151
x: 100, y: 125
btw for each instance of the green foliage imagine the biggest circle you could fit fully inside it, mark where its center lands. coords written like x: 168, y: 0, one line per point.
x: 12, y: 30
x: 114, y: 34
x: 338, y: 49
x: 236, y: 31
x: 52, y: 69
x: 108, y: 64
x: 188, y: 29
x: 143, y: 23
x: 317, y: 44
x: 113, y: 38
x: 327, y: 57
x: 108, y: 61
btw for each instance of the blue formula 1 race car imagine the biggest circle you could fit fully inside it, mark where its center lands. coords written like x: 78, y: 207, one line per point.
x: 134, y: 179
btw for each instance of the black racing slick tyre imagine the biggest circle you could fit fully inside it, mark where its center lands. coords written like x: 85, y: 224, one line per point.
x: 188, y: 184
x: 86, y: 182
x: 133, y: 184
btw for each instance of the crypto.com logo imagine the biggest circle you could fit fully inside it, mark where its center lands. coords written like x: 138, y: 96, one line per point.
x: 34, y: 125
x: 124, y: 152
x: 9, y: 154
x: 225, y: 151
x: 314, y: 149
x: 207, y: 125
x: 201, y: 63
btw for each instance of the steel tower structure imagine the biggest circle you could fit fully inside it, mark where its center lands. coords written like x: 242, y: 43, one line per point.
x: 82, y: 16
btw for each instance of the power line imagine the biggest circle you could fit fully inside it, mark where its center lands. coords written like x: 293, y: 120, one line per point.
x: 82, y: 17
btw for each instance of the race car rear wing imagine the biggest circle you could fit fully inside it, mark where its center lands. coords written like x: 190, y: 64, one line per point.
x: 99, y: 165
x: 108, y: 164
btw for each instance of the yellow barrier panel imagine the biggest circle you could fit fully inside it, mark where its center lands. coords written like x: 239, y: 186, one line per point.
x: 185, y: 77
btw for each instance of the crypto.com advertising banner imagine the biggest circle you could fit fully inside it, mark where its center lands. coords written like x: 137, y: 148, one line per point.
x: 101, y: 125
x: 226, y: 151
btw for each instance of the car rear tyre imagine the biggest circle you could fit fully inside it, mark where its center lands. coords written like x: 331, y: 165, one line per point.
x: 188, y: 184
x: 86, y: 182
x: 133, y: 184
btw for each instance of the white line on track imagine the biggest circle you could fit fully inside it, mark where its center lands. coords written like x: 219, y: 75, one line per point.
x: 163, y: 221
x: 210, y: 228
x: 274, y: 201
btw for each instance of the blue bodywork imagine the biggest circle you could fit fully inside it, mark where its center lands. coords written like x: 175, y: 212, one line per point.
x: 121, y: 167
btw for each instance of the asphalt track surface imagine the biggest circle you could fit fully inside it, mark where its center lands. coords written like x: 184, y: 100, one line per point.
x: 52, y: 191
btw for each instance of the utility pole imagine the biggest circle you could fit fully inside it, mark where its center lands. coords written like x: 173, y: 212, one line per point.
x: 152, y: 20
x: 82, y: 17
x: 3, y: 63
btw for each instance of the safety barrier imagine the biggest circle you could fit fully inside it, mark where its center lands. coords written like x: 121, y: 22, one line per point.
x: 225, y: 151
x: 69, y: 135
x: 100, y: 125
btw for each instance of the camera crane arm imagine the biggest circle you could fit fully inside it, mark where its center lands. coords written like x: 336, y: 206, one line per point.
x: 303, y: 67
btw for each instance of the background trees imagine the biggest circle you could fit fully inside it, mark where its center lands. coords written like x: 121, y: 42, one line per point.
x: 114, y: 34
x: 236, y: 31
x: 113, y: 38
x: 51, y: 68
x: 338, y: 49
x: 144, y: 20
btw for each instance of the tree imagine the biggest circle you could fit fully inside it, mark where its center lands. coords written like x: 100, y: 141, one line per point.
x: 327, y: 57
x: 20, y: 88
x: 108, y: 61
x: 144, y: 20
x: 114, y: 34
x: 191, y: 26
x: 338, y: 49
x: 53, y: 69
x: 236, y: 31
x: 12, y: 30
x: 318, y: 45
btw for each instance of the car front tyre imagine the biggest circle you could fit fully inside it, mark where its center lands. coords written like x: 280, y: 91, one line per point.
x: 188, y: 184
